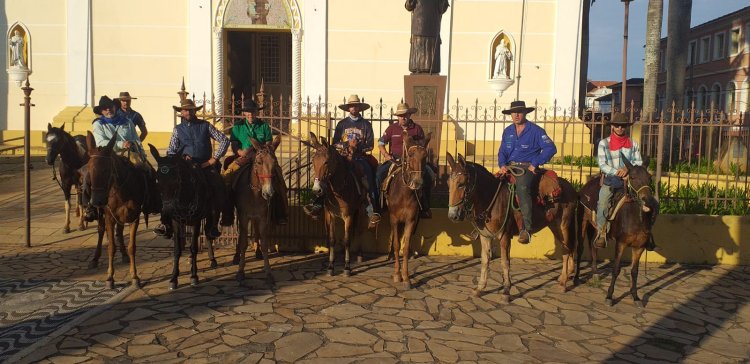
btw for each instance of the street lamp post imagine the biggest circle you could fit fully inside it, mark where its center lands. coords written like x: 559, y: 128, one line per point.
x: 27, y: 158
x: 625, y: 57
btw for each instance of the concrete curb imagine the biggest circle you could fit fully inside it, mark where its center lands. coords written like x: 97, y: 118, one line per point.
x: 73, y: 323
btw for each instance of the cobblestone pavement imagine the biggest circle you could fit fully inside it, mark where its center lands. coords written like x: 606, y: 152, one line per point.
x: 693, y: 313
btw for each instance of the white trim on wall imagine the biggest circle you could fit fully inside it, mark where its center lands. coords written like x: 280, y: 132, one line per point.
x: 79, y: 53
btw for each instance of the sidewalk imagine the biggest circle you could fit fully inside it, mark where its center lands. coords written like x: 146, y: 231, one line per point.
x: 692, y: 314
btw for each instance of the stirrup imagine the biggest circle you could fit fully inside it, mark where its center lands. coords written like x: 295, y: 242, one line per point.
x: 373, y: 221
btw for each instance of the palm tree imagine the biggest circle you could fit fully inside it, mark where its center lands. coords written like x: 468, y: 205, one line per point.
x: 653, y: 41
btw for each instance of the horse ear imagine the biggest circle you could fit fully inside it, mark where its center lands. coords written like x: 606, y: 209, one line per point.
x: 49, y: 126
x: 62, y: 127
x: 90, y: 142
x: 427, y: 139
x: 324, y: 142
x: 461, y: 160
x: 451, y: 161
x: 256, y: 144
x: 314, y: 140
x: 276, y: 142
x: 628, y: 165
x: 112, y: 142
x: 646, y: 162
x: 154, y: 152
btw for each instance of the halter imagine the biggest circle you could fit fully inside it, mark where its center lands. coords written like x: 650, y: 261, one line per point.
x: 405, y: 169
x: 465, y: 199
x: 635, y: 194
x: 260, y: 176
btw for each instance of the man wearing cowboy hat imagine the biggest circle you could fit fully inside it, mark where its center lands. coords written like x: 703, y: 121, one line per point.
x: 192, y: 138
x: 354, y: 130
x: 393, y: 138
x: 613, y: 168
x: 134, y: 116
x: 242, y: 131
x: 109, y: 124
x: 524, y: 147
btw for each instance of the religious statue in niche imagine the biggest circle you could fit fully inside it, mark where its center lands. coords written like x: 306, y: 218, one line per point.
x: 17, y: 45
x: 258, y: 10
x: 503, y: 57
x: 424, y: 56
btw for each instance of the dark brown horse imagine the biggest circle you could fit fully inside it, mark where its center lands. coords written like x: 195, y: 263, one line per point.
x: 185, y: 196
x: 477, y: 194
x: 334, y: 177
x: 73, y: 159
x: 117, y: 189
x: 253, y: 193
x: 403, y: 202
x: 631, y: 226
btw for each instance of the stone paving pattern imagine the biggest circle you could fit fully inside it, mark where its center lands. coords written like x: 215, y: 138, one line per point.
x: 695, y: 314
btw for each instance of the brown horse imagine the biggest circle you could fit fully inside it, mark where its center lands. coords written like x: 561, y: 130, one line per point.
x: 631, y: 226
x: 117, y: 189
x: 185, y: 196
x: 334, y: 177
x: 253, y: 194
x: 477, y: 194
x: 403, y: 203
x: 73, y: 159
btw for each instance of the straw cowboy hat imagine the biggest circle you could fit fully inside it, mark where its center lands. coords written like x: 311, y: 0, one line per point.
x: 249, y: 105
x: 125, y: 96
x: 518, y: 106
x: 354, y: 101
x: 619, y: 119
x: 404, y: 109
x: 187, y: 104
x: 104, y: 103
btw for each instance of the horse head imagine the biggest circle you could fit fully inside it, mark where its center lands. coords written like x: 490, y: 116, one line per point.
x: 414, y: 160
x: 325, y: 161
x: 264, y: 164
x: 55, y: 141
x: 173, y: 177
x: 458, y: 188
x: 101, y: 169
x: 639, y: 184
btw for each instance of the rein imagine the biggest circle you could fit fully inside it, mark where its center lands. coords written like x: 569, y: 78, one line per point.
x: 405, y: 170
x: 469, y: 206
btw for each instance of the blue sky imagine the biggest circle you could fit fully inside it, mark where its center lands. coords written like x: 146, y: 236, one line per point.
x: 606, y: 28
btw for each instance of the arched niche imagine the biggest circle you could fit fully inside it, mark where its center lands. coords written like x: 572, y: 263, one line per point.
x: 502, y: 56
x: 19, y: 42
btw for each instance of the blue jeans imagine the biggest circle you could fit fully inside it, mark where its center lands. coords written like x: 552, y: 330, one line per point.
x: 602, y: 206
x: 370, y: 175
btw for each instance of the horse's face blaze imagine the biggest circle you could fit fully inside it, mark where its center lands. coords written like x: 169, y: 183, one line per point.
x: 263, y: 165
x: 53, y: 146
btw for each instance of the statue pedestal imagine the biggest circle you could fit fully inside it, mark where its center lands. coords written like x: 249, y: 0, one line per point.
x: 427, y: 93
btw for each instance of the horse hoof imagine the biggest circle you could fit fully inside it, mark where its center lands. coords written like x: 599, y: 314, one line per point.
x: 347, y: 272
x: 638, y: 303
x: 214, y: 264
x: 609, y: 302
x: 136, y: 282
x: 360, y: 259
x: 193, y: 282
x: 66, y: 230
x: 563, y: 288
x: 93, y: 264
x: 330, y: 272
x: 240, y: 276
x: 81, y: 228
x: 396, y: 278
x: 172, y: 286
x: 125, y: 259
x: 476, y: 293
x: 111, y: 284
x: 505, y: 299
x: 258, y: 255
x: 236, y: 260
x: 406, y: 285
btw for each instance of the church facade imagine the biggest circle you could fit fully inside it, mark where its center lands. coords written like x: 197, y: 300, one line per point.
x: 298, y: 49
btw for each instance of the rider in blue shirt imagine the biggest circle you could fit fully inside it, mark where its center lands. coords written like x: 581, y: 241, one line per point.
x: 525, y: 146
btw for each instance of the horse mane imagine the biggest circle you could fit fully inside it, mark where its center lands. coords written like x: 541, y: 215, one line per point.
x: 73, y: 154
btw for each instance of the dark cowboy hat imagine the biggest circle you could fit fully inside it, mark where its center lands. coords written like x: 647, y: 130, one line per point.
x: 354, y: 101
x: 187, y: 104
x: 619, y: 119
x: 518, y: 106
x: 249, y: 105
x: 104, y: 103
x: 124, y: 96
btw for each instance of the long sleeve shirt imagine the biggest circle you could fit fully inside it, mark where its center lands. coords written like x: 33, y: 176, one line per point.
x: 243, y: 130
x: 393, y: 138
x: 359, y: 129
x: 105, y: 128
x: 175, y: 143
x: 610, y: 160
x: 531, y: 146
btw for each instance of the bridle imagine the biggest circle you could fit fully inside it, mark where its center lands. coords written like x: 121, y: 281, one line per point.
x: 192, y: 207
x: 405, y: 170
x: 471, y: 181
x: 111, y: 180
x: 261, y: 176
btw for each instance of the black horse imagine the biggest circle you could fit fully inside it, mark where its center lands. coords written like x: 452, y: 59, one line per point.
x: 73, y: 158
x: 186, y: 197
x: 631, y: 226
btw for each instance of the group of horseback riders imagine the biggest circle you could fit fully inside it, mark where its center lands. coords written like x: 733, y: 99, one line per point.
x: 523, y: 149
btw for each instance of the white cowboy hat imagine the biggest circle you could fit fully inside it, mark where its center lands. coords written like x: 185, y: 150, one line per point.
x: 354, y: 101
x: 404, y: 109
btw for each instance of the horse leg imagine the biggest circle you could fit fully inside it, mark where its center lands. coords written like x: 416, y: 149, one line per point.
x: 66, y: 228
x: 100, y: 229
x: 211, y: 256
x: 242, y: 245
x: 485, y: 265
x: 79, y: 209
x: 331, y: 241
x: 236, y: 257
x: 505, y: 263
x: 119, y: 233
x: 194, y: 256
x: 135, y: 280
x: 177, y: 236
x: 615, y: 273
x: 636, y: 259
x: 262, y: 231
x: 109, y: 226
x: 396, y: 243
x: 408, y: 232
x: 594, y: 254
x: 348, y: 233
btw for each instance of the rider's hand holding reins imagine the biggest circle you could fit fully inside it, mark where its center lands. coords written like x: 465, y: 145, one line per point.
x: 622, y: 172
x: 208, y: 163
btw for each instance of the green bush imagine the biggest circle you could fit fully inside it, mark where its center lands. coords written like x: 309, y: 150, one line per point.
x: 704, y: 199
